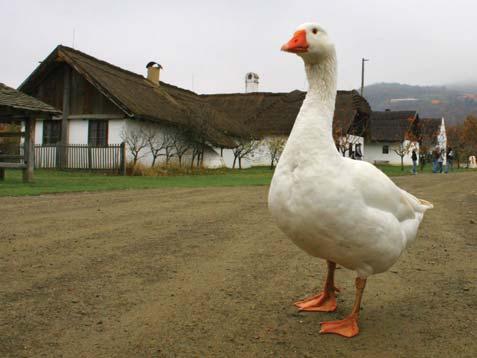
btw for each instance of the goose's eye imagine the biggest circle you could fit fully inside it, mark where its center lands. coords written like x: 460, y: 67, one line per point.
x: 315, y: 31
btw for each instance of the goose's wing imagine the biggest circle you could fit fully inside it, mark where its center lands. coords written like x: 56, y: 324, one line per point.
x: 380, y: 192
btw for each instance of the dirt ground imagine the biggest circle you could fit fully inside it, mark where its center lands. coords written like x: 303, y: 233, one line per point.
x: 206, y: 273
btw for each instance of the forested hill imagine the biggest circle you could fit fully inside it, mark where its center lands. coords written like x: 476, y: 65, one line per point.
x: 454, y: 102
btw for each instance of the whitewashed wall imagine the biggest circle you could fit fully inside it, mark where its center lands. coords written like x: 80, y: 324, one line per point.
x: 38, y: 132
x: 212, y: 158
x: 228, y: 159
x: 78, y: 131
x: 261, y: 155
x: 114, y: 131
x: 373, y: 151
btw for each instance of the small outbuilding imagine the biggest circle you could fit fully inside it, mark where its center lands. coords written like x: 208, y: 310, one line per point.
x: 388, y: 131
x: 17, y: 107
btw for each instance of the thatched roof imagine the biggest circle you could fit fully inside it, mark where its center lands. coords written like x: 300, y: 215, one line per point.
x: 138, y: 97
x: 220, y: 117
x: 263, y: 113
x: 391, y: 126
x: 13, y: 101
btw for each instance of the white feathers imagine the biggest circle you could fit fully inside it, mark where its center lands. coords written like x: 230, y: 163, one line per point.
x: 332, y: 207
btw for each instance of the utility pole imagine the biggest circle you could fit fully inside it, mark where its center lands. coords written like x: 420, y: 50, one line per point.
x: 363, y: 60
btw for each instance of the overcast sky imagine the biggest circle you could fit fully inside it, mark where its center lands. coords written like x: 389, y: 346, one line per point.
x: 209, y: 45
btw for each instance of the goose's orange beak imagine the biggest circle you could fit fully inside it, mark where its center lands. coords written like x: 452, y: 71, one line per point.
x: 297, y: 43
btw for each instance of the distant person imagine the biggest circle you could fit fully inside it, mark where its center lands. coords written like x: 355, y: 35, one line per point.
x: 414, y: 162
x: 358, y: 154
x: 435, y: 158
x: 450, y: 159
x: 440, y: 161
x: 423, y: 156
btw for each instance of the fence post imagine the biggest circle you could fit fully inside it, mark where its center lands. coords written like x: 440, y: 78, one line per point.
x: 122, y: 158
x: 29, y: 151
x: 89, y: 157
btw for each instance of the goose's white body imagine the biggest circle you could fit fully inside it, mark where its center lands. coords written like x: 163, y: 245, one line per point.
x: 335, y: 208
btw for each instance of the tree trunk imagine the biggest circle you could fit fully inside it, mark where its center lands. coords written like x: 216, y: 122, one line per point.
x: 154, y: 157
x: 240, y: 162
x: 402, y: 162
x: 235, y: 159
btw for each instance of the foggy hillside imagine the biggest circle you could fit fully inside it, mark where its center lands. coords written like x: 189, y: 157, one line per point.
x: 454, y: 102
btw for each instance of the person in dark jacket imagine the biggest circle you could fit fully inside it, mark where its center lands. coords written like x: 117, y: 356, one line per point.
x: 449, y: 159
x: 435, y: 158
x: 414, y: 162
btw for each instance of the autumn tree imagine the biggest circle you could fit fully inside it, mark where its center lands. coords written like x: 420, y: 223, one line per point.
x: 426, y: 135
x: 10, y: 145
x: 344, y: 141
x: 462, y: 138
x: 469, y: 135
x: 347, y: 135
x: 455, y: 141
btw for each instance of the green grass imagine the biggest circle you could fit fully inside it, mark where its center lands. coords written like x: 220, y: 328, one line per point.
x: 53, y: 181
x: 395, y: 170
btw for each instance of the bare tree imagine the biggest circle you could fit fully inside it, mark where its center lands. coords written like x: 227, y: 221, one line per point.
x: 244, y: 148
x: 179, y: 145
x: 159, y: 142
x: 411, y: 137
x: 404, y: 149
x: 198, y: 136
x: 168, y: 138
x: 275, y: 146
x: 136, y: 142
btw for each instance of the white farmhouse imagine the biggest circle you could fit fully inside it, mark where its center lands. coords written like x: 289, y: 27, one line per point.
x: 389, y: 132
x: 103, y: 104
x: 270, y: 116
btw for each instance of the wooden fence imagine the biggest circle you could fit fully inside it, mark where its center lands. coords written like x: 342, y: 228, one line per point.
x: 82, y: 157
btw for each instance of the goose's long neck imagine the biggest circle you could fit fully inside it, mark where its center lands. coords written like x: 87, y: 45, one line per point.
x: 314, y: 124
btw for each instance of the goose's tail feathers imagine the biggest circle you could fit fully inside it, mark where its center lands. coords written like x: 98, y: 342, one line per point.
x: 426, y: 204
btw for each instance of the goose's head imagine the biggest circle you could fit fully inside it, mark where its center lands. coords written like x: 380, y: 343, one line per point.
x: 311, y: 42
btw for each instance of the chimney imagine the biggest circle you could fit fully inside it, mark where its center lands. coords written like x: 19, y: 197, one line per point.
x: 251, y: 82
x: 153, y: 72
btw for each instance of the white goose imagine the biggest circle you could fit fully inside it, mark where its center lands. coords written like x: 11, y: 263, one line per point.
x: 342, y: 210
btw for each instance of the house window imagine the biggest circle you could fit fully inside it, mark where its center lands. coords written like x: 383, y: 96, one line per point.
x: 98, y: 132
x: 385, y: 149
x: 51, y: 132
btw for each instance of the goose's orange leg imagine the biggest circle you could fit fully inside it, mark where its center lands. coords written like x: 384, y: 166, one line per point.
x: 324, y: 301
x: 347, y: 327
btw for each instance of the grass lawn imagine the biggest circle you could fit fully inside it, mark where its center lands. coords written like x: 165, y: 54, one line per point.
x: 53, y: 181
